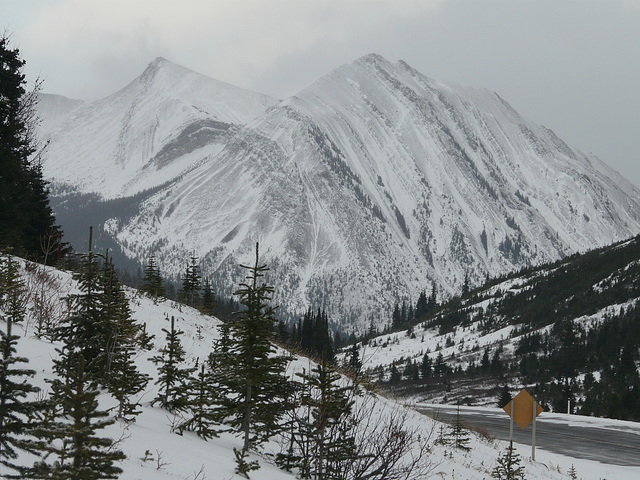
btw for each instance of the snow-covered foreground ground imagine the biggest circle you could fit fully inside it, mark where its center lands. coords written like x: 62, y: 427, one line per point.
x: 155, y: 453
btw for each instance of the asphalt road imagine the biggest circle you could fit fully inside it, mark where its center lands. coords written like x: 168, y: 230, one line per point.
x: 573, y: 439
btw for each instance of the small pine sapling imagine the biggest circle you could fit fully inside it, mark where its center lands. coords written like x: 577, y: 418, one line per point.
x: 508, y: 467
x: 458, y: 435
x: 243, y: 467
x: 172, y: 377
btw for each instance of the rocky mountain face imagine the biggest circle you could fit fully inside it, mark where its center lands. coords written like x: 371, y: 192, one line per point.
x: 362, y: 189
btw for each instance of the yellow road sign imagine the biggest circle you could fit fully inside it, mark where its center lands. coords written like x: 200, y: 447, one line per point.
x: 523, y: 409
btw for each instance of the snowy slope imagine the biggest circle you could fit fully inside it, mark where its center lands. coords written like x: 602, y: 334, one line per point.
x: 53, y: 109
x: 362, y: 189
x: 154, y: 453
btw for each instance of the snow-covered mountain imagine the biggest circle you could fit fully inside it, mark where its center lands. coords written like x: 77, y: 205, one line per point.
x: 362, y: 189
x: 145, y: 134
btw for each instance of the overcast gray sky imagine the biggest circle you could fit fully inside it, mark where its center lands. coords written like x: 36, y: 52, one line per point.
x: 573, y: 66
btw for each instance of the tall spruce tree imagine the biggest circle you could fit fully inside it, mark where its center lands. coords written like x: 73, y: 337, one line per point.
x: 78, y: 453
x: 123, y: 380
x: 17, y: 426
x: 121, y: 337
x: 257, y: 383
x: 426, y: 367
x: 190, y: 291
x: 421, y: 305
x: 203, y: 403
x: 100, y: 325
x: 84, y: 330
x: 505, y: 396
x: 25, y: 214
x: 326, y: 440
x: 152, y: 280
x: 173, y: 377
x: 208, y: 299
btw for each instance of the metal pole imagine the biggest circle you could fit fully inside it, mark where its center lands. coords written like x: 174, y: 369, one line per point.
x: 533, y: 433
x: 511, y: 425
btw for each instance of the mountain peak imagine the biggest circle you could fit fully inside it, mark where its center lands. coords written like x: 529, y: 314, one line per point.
x: 372, y: 59
x: 156, y: 64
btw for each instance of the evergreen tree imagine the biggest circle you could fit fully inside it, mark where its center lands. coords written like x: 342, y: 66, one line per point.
x: 465, y: 285
x: 372, y: 332
x: 16, y: 423
x: 79, y: 453
x: 411, y: 316
x: 394, y: 376
x: 403, y: 314
x: 306, y: 332
x: 256, y: 384
x: 293, y: 450
x: 433, y: 298
x: 208, y: 300
x: 508, y: 467
x: 126, y: 380
x: 355, y: 364
x: 172, y: 377
x: 203, y: 404
x: 315, y: 338
x: 325, y: 428
x: 396, y: 317
x: 505, y: 396
x: 122, y: 336
x: 458, y: 433
x: 152, y: 280
x: 496, y: 363
x: 421, y: 305
x: 101, y: 328
x: 25, y: 214
x: 485, y: 363
x: 439, y: 367
x: 84, y: 331
x: 283, y: 332
x: 426, y: 366
x: 190, y: 291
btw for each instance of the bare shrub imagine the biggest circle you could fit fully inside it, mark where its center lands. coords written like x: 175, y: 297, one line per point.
x: 390, y: 445
x: 44, y: 293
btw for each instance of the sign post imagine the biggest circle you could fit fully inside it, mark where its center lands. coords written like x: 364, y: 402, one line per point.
x: 512, y: 403
x: 534, y: 414
x: 523, y: 410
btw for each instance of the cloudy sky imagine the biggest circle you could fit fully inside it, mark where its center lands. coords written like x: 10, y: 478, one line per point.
x: 573, y: 66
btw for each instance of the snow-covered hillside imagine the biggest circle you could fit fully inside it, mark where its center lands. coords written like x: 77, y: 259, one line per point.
x: 154, y: 453
x: 588, y: 292
x: 362, y: 189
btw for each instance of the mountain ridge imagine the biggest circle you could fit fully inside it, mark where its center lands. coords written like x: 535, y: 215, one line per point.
x: 166, y: 103
x: 366, y: 186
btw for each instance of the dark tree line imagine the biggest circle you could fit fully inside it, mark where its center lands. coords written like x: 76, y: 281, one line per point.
x: 27, y: 223
x: 311, y: 334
